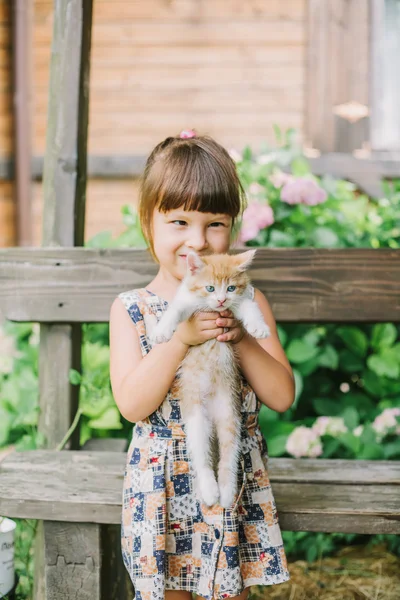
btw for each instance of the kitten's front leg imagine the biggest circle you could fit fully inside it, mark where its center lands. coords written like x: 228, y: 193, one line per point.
x: 168, y: 323
x: 252, y: 318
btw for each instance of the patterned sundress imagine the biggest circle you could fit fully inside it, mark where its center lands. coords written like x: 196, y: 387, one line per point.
x: 170, y: 540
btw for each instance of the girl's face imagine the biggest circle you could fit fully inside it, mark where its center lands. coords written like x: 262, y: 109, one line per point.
x: 177, y: 232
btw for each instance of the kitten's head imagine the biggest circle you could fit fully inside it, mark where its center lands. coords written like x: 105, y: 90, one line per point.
x: 218, y: 280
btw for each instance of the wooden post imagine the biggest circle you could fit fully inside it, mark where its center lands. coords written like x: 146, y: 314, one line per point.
x: 384, y: 80
x: 337, y: 74
x: 64, y: 189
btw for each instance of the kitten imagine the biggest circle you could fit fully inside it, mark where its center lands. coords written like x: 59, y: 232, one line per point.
x: 209, y: 377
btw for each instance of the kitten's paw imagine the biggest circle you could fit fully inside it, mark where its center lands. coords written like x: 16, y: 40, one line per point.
x: 258, y: 330
x: 227, y: 494
x: 160, y: 335
x: 209, y: 489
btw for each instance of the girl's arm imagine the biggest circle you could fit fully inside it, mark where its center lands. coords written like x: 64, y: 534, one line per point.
x: 140, y: 384
x: 265, y: 365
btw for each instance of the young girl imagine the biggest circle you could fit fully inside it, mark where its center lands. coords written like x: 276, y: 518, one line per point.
x: 172, y: 544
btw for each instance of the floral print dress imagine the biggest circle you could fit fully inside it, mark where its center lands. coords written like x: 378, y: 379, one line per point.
x: 170, y: 540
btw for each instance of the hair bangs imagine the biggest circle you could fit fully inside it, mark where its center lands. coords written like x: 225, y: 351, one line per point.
x: 198, y: 185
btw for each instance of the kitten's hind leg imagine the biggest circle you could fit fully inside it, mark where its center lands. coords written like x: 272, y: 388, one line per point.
x: 198, y: 428
x: 228, y: 425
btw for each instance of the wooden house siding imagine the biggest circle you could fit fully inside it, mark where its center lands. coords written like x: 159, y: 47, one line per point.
x: 226, y: 67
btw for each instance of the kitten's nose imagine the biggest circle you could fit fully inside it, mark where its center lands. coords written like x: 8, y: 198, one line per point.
x: 221, y: 302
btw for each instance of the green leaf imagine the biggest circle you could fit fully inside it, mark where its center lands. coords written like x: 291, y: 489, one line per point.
x: 277, y: 445
x: 330, y: 446
x: 329, y: 358
x: 351, y: 417
x: 299, y: 166
x: 349, y: 362
x: 392, y: 449
x: 383, y: 336
x: 110, y: 419
x: 299, y: 351
x: 350, y: 441
x: 75, y: 377
x: 355, y: 339
x: 298, y: 381
x: 368, y: 435
x: 371, y: 452
x: 326, y: 408
x: 384, y: 365
x: 324, y: 237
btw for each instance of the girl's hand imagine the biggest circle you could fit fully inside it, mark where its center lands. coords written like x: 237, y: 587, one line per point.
x: 236, y: 331
x: 198, y: 329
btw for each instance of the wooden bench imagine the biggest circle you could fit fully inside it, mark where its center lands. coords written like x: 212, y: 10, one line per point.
x: 78, y: 496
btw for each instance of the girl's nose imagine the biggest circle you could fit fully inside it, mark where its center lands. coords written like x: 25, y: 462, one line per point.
x: 197, y: 241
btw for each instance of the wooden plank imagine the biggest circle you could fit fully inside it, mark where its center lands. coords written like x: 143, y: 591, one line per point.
x: 122, y: 10
x: 303, y: 285
x: 336, y: 164
x: 173, y: 56
x: 359, y: 496
x: 189, y: 34
x: 72, y: 561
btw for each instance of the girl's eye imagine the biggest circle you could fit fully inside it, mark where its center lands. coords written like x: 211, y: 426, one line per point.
x: 210, y: 288
x: 179, y: 222
x: 216, y: 224
x: 231, y: 288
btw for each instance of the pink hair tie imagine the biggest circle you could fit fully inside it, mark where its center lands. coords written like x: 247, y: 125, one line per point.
x: 187, y: 133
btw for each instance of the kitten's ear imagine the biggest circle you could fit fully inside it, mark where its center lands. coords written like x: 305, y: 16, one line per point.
x: 244, y: 260
x: 194, y: 263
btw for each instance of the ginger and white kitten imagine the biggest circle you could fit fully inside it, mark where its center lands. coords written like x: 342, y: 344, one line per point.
x: 210, y: 387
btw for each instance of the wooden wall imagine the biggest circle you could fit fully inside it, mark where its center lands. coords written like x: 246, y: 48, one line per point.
x: 230, y: 68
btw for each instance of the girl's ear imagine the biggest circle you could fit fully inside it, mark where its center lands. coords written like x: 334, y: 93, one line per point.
x: 194, y: 263
x: 244, y: 260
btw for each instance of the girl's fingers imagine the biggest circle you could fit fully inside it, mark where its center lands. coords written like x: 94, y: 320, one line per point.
x: 207, y: 316
x: 227, y: 322
x: 208, y: 325
x: 209, y: 334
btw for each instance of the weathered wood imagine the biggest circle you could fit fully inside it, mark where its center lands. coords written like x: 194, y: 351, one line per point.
x: 366, y: 173
x: 64, y: 188
x: 384, y: 80
x: 105, y: 445
x: 303, y: 285
x: 72, y: 561
x: 64, y: 191
x: 311, y: 494
x: 337, y: 73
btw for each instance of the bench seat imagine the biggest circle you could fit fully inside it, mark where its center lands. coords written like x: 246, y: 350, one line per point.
x: 311, y: 494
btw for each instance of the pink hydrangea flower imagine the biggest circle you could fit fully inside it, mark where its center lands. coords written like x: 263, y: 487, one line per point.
x: 255, y: 189
x: 256, y: 216
x: 279, y: 178
x: 303, y: 191
x: 329, y: 426
x: 386, y: 421
x: 303, y: 441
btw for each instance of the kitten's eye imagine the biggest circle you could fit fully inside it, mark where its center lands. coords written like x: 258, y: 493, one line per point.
x: 210, y: 288
x: 231, y: 288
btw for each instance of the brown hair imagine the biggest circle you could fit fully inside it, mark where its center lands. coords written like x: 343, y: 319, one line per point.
x: 194, y: 173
